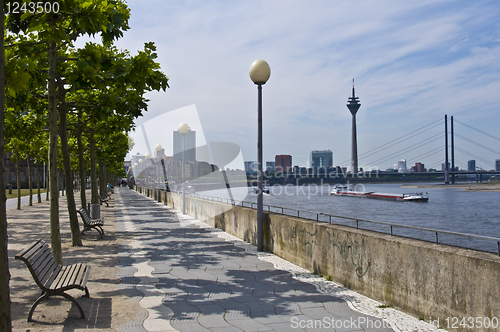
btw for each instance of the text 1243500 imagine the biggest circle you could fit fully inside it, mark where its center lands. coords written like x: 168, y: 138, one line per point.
x: 32, y: 7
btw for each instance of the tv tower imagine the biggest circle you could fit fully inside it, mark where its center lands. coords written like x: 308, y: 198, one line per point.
x: 353, y: 105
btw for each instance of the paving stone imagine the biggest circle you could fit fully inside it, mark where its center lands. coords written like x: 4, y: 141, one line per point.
x: 288, y: 309
x: 248, y: 324
x: 283, y: 327
x: 212, y: 315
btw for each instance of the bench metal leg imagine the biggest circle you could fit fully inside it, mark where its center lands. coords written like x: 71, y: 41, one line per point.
x: 72, y: 299
x: 37, y: 302
x: 97, y: 228
x: 101, y: 231
x: 69, y: 297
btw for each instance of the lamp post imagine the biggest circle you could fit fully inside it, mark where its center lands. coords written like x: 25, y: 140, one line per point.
x: 259, y: 73
x: 158, y: 148
x: 136, y: 173
x: 141, y: 169
x: 151, y: 163
x: 183, y: 129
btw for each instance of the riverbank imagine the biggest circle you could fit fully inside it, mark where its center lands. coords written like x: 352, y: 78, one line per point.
x: 495, y: 186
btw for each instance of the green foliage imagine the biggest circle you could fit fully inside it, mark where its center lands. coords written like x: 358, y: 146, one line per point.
x: 106, y: 86
x: 108, y: 18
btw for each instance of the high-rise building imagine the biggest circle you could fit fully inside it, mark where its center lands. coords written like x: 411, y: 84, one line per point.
x: 126, y: 165
x: 161, y: 153
x: 471, y: 165
x: 497, y: 165
x: 251, y: 166
x: 190, y: 146
x: 419, y: 168
x: 321, y: 158
x: 138, y: 161
x: 353, y: 105
x: 401, y: 166
x: 283, y: 163
x: 270, y: 166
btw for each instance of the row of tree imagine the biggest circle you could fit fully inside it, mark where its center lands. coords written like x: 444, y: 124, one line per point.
x: 65, y: 106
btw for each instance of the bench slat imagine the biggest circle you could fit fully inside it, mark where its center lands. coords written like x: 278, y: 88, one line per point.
x: 61, y: 278
x: 27, y: 252
x: 44, y: 266
x: 48, y: 281
x: 52, y: 267
x: 70, y: 278
x: 96, y: 222
x: 34, y: 259
x: 85, y: 276
x: 43, y: 261
x: 76, y: 277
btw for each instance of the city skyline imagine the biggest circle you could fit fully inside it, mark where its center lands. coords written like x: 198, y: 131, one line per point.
x: 413, y: 63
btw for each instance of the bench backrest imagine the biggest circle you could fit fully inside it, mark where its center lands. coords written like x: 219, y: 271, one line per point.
x: 85, y: 216
x: 41, y: 263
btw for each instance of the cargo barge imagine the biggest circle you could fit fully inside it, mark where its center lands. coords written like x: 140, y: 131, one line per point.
x: 413, y: 197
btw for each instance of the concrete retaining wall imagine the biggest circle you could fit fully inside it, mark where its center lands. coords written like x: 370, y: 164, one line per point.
x: 428, y: 280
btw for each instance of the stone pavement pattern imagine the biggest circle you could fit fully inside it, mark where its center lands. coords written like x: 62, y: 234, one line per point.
x: 176, y: 273
x: 186, y: 278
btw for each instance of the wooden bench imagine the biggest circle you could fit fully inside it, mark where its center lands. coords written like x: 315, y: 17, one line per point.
x: 52, y: 278
x: 105, y: 200
x: 91, y: 223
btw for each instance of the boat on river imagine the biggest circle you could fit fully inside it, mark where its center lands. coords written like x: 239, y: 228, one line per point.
x: 413, y: 197
x: 265, y: 190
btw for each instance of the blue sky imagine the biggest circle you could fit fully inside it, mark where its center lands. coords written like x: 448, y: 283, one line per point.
x: 413, y: 62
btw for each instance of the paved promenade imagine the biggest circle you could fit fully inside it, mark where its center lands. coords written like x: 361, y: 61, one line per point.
x: 175, y: 273
x: 189, y: 279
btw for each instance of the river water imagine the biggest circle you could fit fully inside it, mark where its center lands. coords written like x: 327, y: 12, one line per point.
x: 448, y: 209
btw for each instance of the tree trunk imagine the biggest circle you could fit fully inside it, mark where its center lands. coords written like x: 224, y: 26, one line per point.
x: 81, y: 165
x: 5, y: 317
x: 30, y: 182
x: 68, y: 175
x: 94, y: 195
x: 62, y: 181
x: 47, y: 183
x: 102, y: 179
x: 39, y: 195
x: 55, y: 233
x: 18, y: 179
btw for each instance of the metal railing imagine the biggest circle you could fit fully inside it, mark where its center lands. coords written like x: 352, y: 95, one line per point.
x: 325, y: 217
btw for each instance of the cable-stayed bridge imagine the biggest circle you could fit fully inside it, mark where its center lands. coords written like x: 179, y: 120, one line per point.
x: 443, y: 147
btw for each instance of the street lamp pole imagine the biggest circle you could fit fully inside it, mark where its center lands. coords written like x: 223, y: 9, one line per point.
x: 183, y: 129
x: 260, y: 197
x: 260, y: 73
x: 158, y: 149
